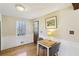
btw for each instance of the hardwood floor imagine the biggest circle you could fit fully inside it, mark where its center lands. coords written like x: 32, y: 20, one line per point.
x: 24, y: 50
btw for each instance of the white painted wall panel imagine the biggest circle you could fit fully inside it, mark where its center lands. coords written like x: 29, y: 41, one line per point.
x: 9, y: 38
x: 13, y: 41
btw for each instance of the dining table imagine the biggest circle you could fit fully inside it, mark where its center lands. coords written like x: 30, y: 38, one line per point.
x: 45, y: 43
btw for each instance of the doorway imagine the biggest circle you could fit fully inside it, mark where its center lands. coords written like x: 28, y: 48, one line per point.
x: 36, y: 31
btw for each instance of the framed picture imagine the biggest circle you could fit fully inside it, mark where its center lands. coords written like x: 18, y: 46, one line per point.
x: 51, y: 22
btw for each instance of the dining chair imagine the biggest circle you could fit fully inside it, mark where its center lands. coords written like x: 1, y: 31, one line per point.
x: 54, y: 49
x: 41, y: 47
x: 40, y: 39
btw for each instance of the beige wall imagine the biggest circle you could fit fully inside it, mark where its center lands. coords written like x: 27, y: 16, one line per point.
x: 0, y: 35
x: 9, y: 25
x: 42, y: 24
x: 67, y: 19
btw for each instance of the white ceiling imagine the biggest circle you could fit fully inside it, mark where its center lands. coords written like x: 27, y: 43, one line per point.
x: 34, y: 9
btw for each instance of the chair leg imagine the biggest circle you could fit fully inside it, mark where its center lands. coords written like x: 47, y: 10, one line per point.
x: 38, y: 51
x: 43, y: 52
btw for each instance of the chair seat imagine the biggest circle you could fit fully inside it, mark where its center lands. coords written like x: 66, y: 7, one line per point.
x: 40, y: 46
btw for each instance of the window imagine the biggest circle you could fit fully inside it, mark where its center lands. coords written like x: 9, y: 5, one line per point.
x: 20, y: 28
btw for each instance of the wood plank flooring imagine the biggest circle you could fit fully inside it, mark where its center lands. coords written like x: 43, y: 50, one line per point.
x: 24, y: 50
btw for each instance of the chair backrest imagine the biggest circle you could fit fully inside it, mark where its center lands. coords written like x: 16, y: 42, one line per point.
x: 40, y: 38
x: 55, y: 48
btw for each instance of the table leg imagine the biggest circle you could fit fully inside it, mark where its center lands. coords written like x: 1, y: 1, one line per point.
x: 47, y: 51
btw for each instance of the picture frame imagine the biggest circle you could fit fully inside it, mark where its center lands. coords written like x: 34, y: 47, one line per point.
x: 51, y: 22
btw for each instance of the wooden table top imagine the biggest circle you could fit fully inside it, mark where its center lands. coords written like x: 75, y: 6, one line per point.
x: 47, y: 43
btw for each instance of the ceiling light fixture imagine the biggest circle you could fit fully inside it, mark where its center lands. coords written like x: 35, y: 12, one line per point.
x: 20, y: 7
